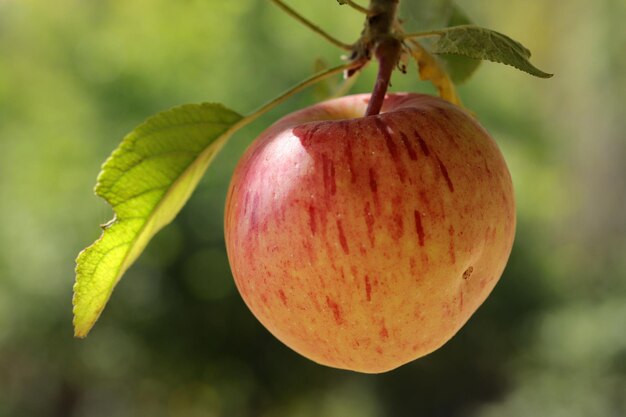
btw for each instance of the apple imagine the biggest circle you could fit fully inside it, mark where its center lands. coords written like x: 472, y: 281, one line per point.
x: 364, y: 243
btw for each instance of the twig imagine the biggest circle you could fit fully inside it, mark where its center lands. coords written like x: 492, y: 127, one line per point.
x: 422, y: 34
x: 356, y: 7
x: 311, y: 25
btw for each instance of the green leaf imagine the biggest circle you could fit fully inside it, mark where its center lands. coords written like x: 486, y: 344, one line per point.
x: 146, y: 180
x: 480, y: 43
x: 460, y: 68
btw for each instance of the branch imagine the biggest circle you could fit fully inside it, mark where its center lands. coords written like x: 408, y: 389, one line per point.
x: 417, y: 35
x: 291, y: 12
x: 356, y: 7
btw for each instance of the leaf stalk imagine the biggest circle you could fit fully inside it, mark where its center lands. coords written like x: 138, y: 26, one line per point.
x: 356, y: 7
x: 417, y: 35
x: 315, y: 78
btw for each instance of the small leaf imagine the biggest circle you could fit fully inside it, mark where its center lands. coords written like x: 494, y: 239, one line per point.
x: 146, y: 180
x: 460, y: 68
x: 480, y: 43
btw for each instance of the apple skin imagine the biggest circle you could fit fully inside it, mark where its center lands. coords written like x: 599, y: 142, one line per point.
x: 364, y: 243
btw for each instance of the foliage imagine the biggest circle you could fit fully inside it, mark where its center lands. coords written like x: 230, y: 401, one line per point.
x: 146, y: 180
x: 480, y: 43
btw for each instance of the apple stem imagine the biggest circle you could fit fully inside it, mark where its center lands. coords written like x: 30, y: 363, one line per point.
x: 378, y: 37
x: 387, y: 53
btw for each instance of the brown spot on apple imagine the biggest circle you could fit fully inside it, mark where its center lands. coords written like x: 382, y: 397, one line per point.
x: 468, y: 272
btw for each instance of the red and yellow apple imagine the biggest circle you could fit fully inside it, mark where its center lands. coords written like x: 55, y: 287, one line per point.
x: 366, y: 242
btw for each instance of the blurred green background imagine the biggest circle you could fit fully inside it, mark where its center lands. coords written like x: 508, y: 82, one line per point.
x: 176, y: 339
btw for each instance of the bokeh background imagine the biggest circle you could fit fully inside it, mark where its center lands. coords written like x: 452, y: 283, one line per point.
x: 176, y: 339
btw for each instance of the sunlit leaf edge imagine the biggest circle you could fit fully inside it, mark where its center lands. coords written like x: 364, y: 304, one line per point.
x: 90, y: 297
